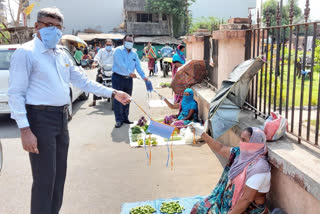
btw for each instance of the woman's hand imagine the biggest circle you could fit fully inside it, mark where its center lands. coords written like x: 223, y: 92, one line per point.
x: 197, y: 129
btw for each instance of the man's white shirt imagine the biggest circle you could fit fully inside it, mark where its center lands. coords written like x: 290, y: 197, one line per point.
x: 40, y: 76
x: 105, y: 58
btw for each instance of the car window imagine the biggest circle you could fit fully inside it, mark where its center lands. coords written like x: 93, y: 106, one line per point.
x: 5, y: 56
x: 70, y: 57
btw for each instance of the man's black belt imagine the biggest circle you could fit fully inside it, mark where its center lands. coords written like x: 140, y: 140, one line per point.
x: 126, y: 77
x: 48, y: 108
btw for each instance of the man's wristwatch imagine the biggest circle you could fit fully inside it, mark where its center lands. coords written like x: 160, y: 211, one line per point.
x: 114, y: 93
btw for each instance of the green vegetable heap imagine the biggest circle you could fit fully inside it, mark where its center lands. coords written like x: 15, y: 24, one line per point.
x: 171, y: 207
x: 147, y: 209
x: 136, y: 130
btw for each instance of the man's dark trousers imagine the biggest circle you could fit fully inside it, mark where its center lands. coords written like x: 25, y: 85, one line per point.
x: 122, y: 83
x: 50, y: 166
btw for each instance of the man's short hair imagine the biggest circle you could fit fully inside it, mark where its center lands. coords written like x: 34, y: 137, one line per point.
x: 127, y: 35
x: 109, y: 40
x: 51, y: 12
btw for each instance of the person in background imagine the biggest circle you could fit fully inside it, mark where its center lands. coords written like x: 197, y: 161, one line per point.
x: 166, y: 51
x: 245, y: 180
x: 97, y: 49
x: 105, y: 59
x: 188, y: 111
x: 152, y: 56
x: 177, y: 61
x: 86, y: 54
x: 39, y: 94
x: 125, y: 62
x: 78, y: 54
x: 144, y: 52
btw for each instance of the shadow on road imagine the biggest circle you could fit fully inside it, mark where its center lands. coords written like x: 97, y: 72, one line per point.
x: 121, y: 134
x: 102, y: 108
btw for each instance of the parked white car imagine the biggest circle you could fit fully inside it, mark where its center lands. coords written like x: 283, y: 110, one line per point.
x: 6, y: 52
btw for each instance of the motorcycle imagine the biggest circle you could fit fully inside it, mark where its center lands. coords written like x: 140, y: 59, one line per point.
x: 86, y: 63
x: 166, y: 64
x: 105, y: 73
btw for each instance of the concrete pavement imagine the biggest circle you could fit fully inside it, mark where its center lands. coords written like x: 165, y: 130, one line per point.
x: 103, y: 171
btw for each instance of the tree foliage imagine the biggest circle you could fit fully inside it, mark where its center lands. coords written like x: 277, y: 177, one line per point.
x: 271, y: 7
x: 177, y: 8
x: 211, y: 23
x: 4, y: 36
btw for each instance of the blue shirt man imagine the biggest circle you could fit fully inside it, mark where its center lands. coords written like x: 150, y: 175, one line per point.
x: 166, y: 51
x: 125, y: 62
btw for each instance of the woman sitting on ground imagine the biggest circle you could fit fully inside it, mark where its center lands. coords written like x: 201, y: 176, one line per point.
x: 245, y: 180
x: 188, y: 110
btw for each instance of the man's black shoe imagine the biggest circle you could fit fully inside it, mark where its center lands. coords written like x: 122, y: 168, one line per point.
x: 118, y: 125
x: 127, y: 122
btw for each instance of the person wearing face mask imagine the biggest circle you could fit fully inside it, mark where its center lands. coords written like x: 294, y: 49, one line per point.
x: 125, y: 62
x: 246, y: 178
x: 39, y: 94
x: 188, y: 110
x: 105, y: 59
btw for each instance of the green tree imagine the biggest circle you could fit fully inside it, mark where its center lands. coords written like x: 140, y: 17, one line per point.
x: 271, y: 7
x: 177, y: 8
x: 211, y: 23
x: 4, y: 36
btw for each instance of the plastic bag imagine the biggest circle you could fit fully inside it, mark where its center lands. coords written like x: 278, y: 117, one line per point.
x: 275, y: 126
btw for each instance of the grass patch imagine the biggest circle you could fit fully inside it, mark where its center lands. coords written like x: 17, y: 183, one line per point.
x: 275, y: 91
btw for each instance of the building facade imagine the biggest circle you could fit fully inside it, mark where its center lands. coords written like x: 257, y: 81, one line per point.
x: 94, y: 15
x: 139, y: 22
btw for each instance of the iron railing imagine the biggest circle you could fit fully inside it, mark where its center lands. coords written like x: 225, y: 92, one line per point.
x: 289, y: 82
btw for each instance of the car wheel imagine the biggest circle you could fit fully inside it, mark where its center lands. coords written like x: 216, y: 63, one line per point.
x: 1, y: 157
x: 84, y: 96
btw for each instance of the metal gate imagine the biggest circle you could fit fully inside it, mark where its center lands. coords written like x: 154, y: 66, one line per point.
x: 289, y: 82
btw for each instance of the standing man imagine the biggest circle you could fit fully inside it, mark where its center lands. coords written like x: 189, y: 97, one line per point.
x: 125, y: 62
x: 40, y: 74
x: 105, y: 59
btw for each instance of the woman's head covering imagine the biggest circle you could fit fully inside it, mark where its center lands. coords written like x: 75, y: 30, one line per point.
x: 179, y: 56
x: 252, y: 160
x: 188, y: 102
x: 253, y: 151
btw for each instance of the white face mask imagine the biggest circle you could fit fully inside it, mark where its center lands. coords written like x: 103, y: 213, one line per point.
x: 128, y: 45
x: 108, y: 48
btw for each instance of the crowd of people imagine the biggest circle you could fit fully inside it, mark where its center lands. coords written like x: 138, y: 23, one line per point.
x: 40, y: 74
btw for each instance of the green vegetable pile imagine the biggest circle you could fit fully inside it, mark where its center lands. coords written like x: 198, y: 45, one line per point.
x: 153, y: 142
x: 165, y: 85
x: 136, y: 130
x: 171, y: 207
x: 135, y: 137
x: 147, y: 209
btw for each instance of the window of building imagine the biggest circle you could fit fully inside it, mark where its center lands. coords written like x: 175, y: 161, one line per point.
x: 164, y: 17
x: 144, y: 17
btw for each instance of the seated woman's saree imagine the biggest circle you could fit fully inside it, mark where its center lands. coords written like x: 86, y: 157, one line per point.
x: 244, y: 160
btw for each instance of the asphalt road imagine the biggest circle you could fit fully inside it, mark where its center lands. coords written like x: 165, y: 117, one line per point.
x: 103, y: 171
